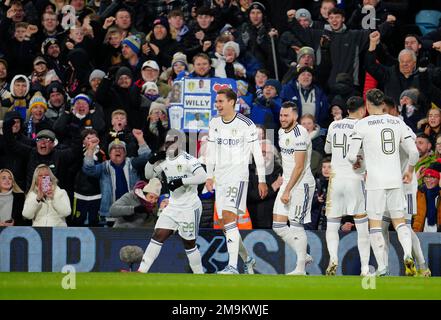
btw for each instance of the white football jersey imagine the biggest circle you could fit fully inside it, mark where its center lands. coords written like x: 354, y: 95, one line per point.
x: 183, y: 166
x: 297, y: 139
x: 230, y: 145
x: 337, y: 143
x: 381, y: 136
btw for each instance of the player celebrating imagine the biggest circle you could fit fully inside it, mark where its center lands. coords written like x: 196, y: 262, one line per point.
x: 346, y: 188
x: 232, y: 138
x: 382, y: 135
x: 183, y: 212
x: 410, y: 204
x: 294, y: 198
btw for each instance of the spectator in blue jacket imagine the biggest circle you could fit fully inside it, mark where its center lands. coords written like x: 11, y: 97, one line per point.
x: 308, y: 97
x: 119, y: 174
x: 265, y: 110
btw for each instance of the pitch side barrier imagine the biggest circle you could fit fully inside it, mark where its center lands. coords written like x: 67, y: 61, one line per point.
x: 97, y: 249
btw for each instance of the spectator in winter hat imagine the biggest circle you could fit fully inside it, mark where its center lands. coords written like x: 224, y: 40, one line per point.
x: 138, y: 208
x: 303, y: 16
x: 131, y: 52
x: 157, y: 124
x: 160, y: 45
x: 179, y: 64
x: 37, y: 120
x: 41, y: 77
x: 56, y: 100
x: 95, y: 79
x: 226, y: 66
x: 150, y: 90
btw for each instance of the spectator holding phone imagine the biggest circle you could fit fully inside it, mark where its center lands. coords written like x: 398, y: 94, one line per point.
x: 11, y: 200
x: 46, y: 204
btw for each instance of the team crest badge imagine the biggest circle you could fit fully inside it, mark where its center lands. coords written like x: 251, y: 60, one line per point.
x: 179, y: 167
x: 234, y: 132
x: 287, y: 142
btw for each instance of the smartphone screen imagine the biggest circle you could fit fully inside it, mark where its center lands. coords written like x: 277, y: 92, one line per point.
x: 46, y: 184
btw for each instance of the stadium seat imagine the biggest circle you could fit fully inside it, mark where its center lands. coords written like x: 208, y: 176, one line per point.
x: 428, y: 20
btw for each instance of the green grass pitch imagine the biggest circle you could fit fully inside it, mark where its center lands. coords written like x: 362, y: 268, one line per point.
x: 17, y: 285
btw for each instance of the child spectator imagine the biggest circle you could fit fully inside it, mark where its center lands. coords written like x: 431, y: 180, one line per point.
x: 120, y: 130
x: 226, y: 66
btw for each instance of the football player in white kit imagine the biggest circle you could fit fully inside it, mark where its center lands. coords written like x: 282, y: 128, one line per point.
x: 294, y: 198
x: 410, y: 204
x: 346, y: 193
x: 184, y: 173
x: 232, y: 138
x: 381, y: 136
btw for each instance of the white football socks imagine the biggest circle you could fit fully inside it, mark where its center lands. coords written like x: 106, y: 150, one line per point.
x: 194, y: 258
x: 301, y: 244
x: 405, y: 239
x: 377, y: 243
x: 150, y: 255
x: 333, y: 238
x: 364, y: 247
x: 233, y: 238
x: 416, y: 250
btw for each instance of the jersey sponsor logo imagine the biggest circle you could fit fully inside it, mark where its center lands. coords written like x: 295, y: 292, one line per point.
x: 286, y: 151
x: 229, y: 142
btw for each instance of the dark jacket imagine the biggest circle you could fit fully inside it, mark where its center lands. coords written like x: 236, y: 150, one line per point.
x: 17, y: 209
x: 112, y: 97
x: 290, y: 92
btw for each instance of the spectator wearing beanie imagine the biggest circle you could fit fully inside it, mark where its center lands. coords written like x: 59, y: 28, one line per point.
x: 265, y: 110
x: 37, y: 120
x: 226, y: 65
x: 428, y: 217
x: 57, y: 103
x: 303, y: 16
x: 179, y: 64
x: 118, y: 92
x: 409, y: 108
x: 160, y: 45
x: 51, y: 50
x: 131, y: 52
x: 253, y: 38
x: 41, y: 76
x: 308, y: 97
x: 9, y: 157
x: 82, y: 116
x: 138, y: 208
x: 157, y: 125
x: 119, y: 174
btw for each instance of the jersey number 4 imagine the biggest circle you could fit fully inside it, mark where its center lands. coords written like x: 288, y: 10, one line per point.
x: 343, y: 145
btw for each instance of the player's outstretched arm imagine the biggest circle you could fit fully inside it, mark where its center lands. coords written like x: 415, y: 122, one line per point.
x: 199, y: 177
